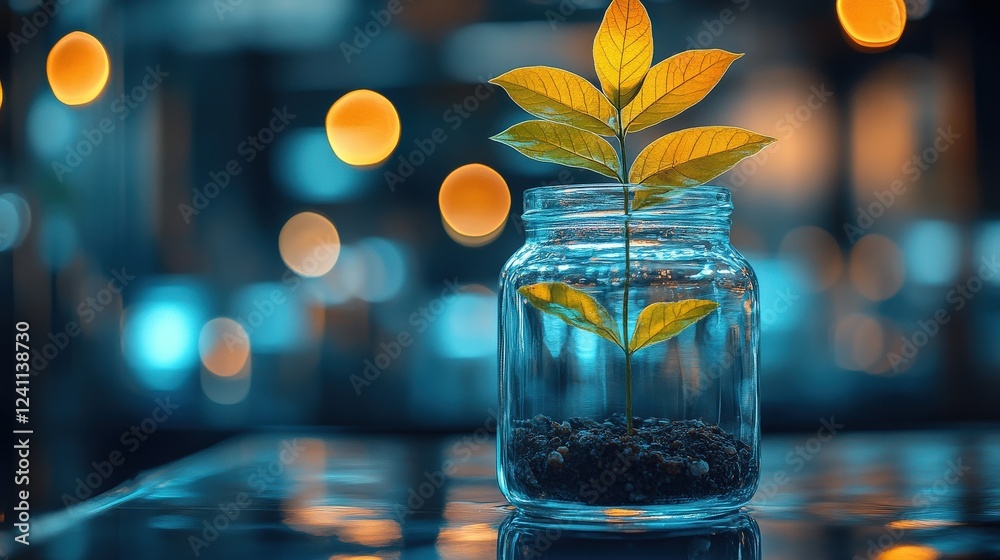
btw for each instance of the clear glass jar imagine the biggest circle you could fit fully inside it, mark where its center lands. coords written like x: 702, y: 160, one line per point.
x: 563, y: 447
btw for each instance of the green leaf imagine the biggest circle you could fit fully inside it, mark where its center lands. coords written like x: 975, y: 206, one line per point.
x: 665, y: 320
x: 623, y: 50
x: 559, y: 96
x: 675, y: 85
x: 572, y: 306
x: 691, y: 157
x: 559, y: 143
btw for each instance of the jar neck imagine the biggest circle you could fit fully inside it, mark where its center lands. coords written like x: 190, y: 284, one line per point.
x: 596, y: 214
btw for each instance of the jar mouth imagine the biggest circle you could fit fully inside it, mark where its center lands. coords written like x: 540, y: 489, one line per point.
x: 705, y: 202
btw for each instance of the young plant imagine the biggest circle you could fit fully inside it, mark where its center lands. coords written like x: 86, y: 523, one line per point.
x: 575, y: 118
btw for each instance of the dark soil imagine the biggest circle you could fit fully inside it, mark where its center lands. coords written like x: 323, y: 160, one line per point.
x: 582, y: 460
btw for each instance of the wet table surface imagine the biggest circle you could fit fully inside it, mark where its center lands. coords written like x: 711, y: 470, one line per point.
x: 889, y: 496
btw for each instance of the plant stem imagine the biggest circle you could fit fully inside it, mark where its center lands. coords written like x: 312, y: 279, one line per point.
x: 628, y: 275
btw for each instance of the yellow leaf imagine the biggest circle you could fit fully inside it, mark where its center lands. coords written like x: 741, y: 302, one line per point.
x: 665, y: 320
x: 623, y: 50
x: 674, y: 85
x: 652, y: 196
x: 572, y: 306
x: 691, y: 157
x: 559, y: 96
x: 558, y: 143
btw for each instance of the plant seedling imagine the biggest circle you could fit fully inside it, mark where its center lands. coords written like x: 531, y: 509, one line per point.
x: 575, y: 119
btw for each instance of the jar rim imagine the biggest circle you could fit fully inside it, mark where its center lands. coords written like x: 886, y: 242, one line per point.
x: 564, y: 201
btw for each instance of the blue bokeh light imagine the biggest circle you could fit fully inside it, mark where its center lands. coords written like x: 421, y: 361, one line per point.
x: 468, y: 327
x: 307, y: 169
x: 933, y: 251
x: 160, y: 336
x: 987, y: 248
x: 273, y: 316
x: 384, y: 269
x: 51, y: 127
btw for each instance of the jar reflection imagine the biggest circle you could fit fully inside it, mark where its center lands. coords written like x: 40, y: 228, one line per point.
x: 523, y: 537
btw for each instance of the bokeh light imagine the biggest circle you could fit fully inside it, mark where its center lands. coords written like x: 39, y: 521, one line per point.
x: 987, y: 246
x: 469, y: 241
x: 306, y: 170
x: 160, y: 334
x: 877, y: 268
x: 15, y: 221
x: 872, y: 23
x: 1, y: 95
x: 933, y: 251
x: 384, y: 269
x: 467, y: 327
x: 362, y: 128
x: 309, y: 244
x: 228, y: 390
x: 224, y: 346
x: 273, y: 315
x: 51, y: 127
x: 474, y: 200
x: 909, y: 552
x: 345, y: 281
x: 859, y: 342
x: 818, y: 251
x: 78, y: 68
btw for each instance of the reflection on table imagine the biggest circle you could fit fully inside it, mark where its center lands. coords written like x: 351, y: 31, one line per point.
x: 892, y: 496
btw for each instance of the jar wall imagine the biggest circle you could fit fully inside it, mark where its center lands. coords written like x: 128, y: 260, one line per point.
x: 698, y: 390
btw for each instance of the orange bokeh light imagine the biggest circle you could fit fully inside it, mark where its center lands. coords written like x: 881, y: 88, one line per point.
x: 309, y: 244
x: 474, y: 201
x: 909, y: 552
x: 78, y: 68
x: 876, y: 267
x: 224, y: 346
x: 872, y: 23
x: 363, y: 128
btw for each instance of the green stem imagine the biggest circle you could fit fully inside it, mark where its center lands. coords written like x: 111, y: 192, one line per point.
x: 628, y: 275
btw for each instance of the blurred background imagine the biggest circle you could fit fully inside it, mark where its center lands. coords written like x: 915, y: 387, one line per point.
x: 141, y: 233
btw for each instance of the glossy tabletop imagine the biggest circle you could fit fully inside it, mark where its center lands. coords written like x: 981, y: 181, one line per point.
x: 889, y: 496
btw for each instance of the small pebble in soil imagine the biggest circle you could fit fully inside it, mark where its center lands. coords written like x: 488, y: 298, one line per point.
x: 664, y: 461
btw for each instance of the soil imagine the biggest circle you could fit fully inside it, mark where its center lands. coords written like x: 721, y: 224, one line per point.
x: 583, y: 460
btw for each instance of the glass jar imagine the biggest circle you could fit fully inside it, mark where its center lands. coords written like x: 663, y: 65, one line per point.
x: 564, y: 449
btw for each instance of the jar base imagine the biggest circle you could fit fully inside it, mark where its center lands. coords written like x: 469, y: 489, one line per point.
x: 625, y: 517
